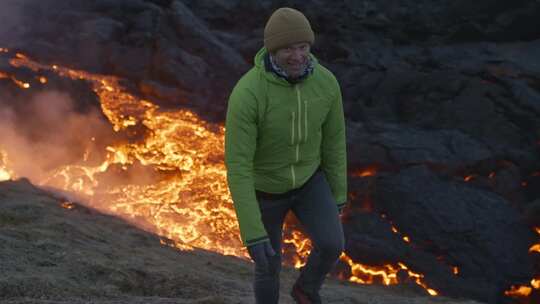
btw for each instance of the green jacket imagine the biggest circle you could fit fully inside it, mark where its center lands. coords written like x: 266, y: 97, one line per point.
x: 276, y: 136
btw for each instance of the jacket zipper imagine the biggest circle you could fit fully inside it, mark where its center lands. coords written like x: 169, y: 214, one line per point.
x: 297, y: 148
x: 305, y: 120
x: 293, y: 175
x: 292, y: 128
x: 299, y: 113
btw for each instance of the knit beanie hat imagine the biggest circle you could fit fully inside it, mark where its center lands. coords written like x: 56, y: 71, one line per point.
x: 287, y: 26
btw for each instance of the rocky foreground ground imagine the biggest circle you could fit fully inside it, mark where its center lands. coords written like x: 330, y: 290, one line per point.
x: 53, y: 254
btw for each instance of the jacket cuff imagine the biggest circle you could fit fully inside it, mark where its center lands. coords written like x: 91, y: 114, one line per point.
x: 257, y: 240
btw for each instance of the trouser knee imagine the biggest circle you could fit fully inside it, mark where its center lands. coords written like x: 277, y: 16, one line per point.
x: 331, y: 250
x: 273, y: 270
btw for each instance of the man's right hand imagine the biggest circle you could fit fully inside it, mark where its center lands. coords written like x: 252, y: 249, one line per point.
x: 260, y: 253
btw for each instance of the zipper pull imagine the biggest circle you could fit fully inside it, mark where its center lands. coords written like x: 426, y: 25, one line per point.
x: 292, y: 127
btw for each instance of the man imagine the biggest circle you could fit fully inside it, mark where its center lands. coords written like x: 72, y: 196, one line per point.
x: 285, y: 150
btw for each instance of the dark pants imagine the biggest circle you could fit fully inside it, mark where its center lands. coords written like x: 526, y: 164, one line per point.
x: 316, y: 209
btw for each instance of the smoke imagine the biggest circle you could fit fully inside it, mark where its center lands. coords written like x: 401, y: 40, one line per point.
x: 46, y: 132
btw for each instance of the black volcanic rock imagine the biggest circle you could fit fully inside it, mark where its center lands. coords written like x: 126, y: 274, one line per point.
x: 401, y: 146
x: 476, y: 230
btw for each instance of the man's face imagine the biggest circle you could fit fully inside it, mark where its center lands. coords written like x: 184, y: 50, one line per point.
x: 293, y: 59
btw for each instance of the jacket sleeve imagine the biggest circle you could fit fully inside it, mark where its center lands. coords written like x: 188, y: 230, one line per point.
x: 333, y: 149
x: 240, y: 144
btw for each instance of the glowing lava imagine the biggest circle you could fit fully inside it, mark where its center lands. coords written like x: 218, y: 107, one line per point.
x: 190, y: 202
x: 387, y: 274
x: 5, y: 173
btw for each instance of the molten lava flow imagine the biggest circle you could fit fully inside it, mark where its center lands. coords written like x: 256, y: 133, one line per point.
x: 190, y: 203
x: 386, y: 274
x: 186, y: 200
x: 302, y: 246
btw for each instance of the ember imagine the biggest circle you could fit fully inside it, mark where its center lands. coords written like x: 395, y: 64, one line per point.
x: 67, y: 205
x: 371, y: 171
x: 19, y: 83
x: 469, y: 177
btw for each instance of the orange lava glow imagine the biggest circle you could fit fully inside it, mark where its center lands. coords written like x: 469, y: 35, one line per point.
x: 521, y: 291
x: 5, y: 173
x: 386, y: 274
x: 535, y: 248
x: 19, y: 83
x: 518, y: 291
x: 405, y: 238
x: 370, y: 171
x: 469, y: 177
x: 302, y: 245
x: 67, y: 205
x: 190, y: 203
